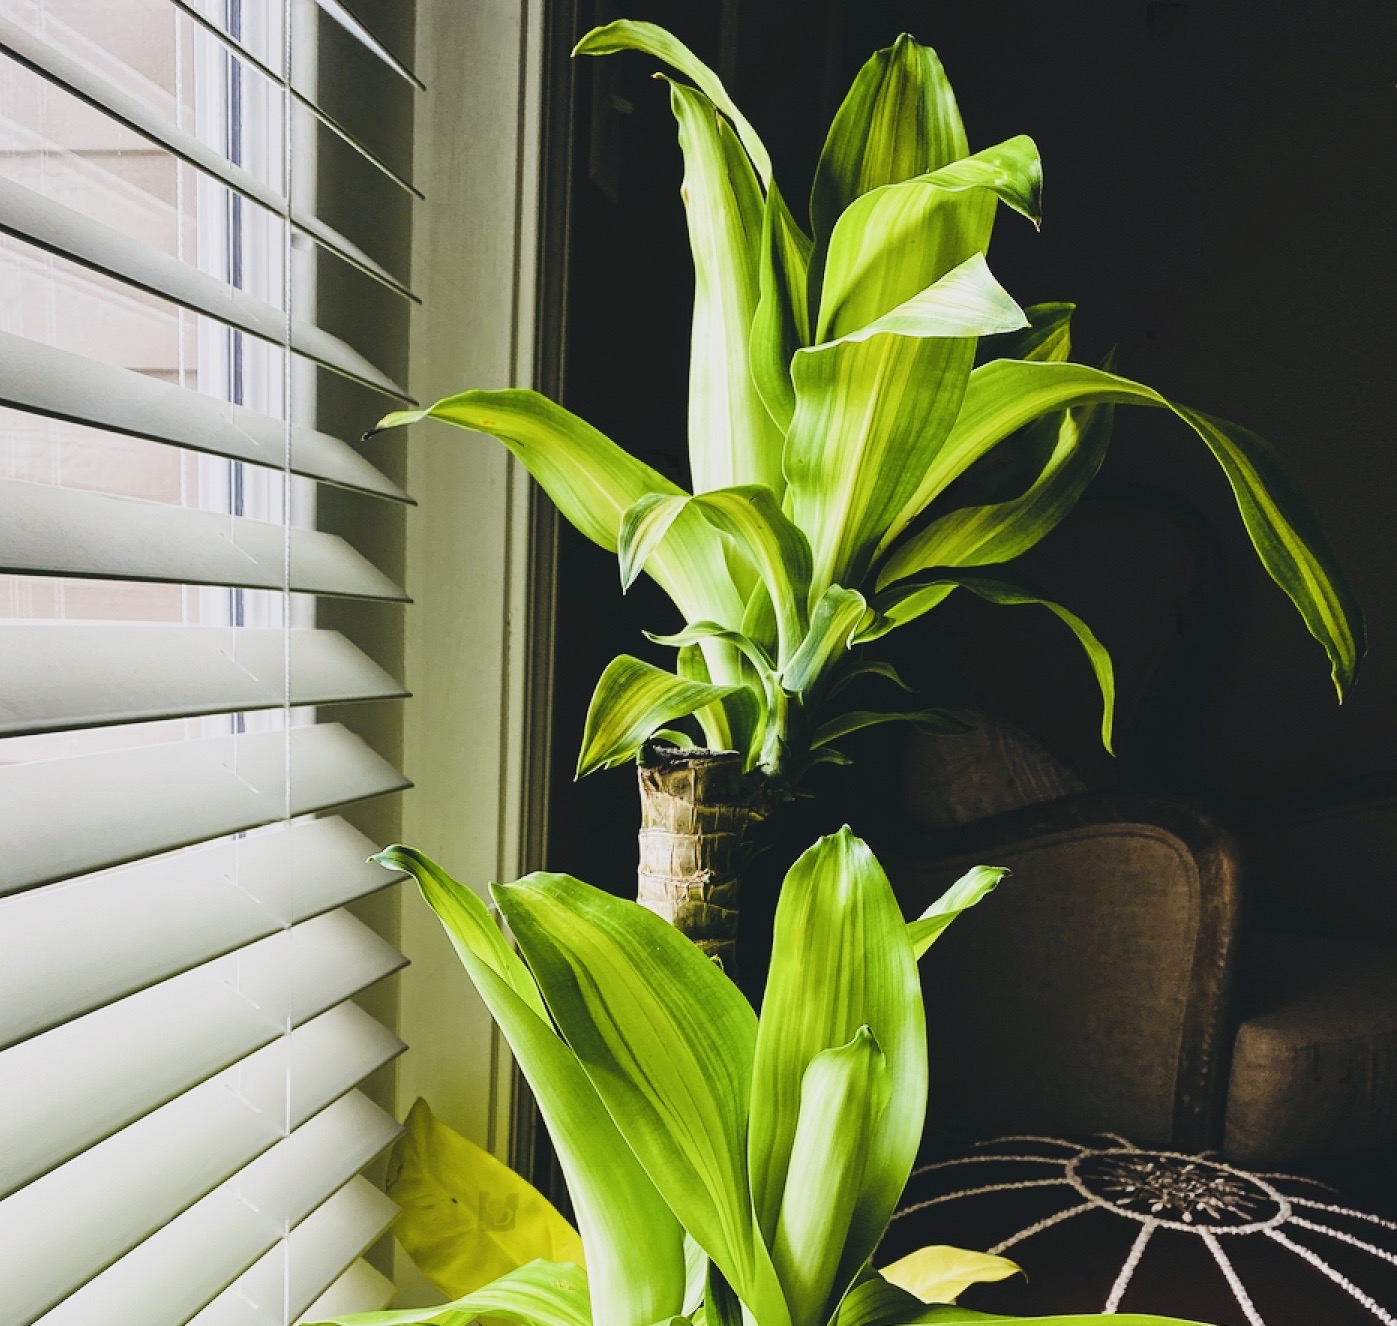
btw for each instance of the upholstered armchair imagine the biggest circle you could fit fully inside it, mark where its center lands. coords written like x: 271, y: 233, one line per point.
x: 1149, y: 969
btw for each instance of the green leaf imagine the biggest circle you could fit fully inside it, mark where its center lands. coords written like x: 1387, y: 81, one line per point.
x: 972, y: 887
x: 634, y: 1245
x: 899, y: 120
x: 1005, y: 394
x: 1048, y: 338
x: 843, y: 1096
x: 838, y: 615
x: 465, y: 1218
x: 539, y: 1294
x: 925, y: 720
x: 593, y: 482
x: 698, y: 631
x: 841, y: 961
x: 966, y: 301
x: 904, y: 602
x: 874, y: 1302
x: 668, y: 1042
x: 629, y: 35
x: 853, y: 668
x: 732, y: 438
x: 782, y: 322
x: 751, y: 516
x: 900, y: 238
x: 632, y: 700
x: 941, y: 1274
x: 872, y: 415
x: 1001, y: 531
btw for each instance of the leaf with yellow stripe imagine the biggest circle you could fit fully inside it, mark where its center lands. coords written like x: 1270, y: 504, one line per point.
x: 908, y: 600
x: 732, y: 438
x: 667, y: 1040
x: 634, y: 1245
x: 633, y: 699
x: 651, y: 39
x: 1004, y: 395
x: 539, y: 1294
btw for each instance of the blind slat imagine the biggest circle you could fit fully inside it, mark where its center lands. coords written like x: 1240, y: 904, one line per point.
x: 361, y: 1288
x: 46, y: 530
x: 58, y: 67
x: 381, y: 28
x: 70, y: 676
x: 61, y: 385
x: 60, y: 818
x: 30, y: 216
x: 69, y: 1088
x: 241, y: 51
x: 289, y: 1278
x: 76, y: 1221
x: 71, y: 947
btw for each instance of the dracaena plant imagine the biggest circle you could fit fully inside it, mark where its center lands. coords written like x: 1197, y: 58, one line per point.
x: 834, y: 402
x: 724, y: 1169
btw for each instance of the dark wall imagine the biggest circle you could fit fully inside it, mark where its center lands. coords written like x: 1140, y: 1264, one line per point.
x: 1218, y: 200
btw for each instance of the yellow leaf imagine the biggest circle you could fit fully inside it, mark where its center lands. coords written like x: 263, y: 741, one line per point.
x: 940, y: 1274
x: 467, y: 1218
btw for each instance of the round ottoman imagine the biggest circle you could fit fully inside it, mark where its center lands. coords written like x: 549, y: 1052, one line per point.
x: 1106, y: 1226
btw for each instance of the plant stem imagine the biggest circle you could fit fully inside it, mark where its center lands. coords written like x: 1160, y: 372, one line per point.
x: 700, y: 818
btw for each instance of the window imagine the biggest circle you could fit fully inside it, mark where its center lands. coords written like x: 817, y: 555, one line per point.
x: 181, y: 1137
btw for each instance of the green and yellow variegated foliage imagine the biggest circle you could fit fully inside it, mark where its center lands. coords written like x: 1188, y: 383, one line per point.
x: 724, y: 1169
x: 840, y: 384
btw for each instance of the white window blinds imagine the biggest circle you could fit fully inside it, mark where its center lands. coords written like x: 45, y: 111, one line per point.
x: 204, y: 213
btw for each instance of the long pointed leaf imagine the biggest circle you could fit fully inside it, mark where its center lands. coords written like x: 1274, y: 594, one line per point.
x: 898, y: 120
x: 904, y: 602
x: 843, y: 1096
x: 838, y: 615
x: 668, y: 1042
x: 1001, y: 531
x: 634, y: 698
x: 966, y: 301
x: 750, y: 514
x: 1006, y: 394
x: 871, y: 416
x: 698, y: 631
x: 593, y: 482
x: 633, y: 1242
x: 630, y: 35
x: 841, y: 961
x: 972, y: 887
x: 782, y: 322
x: 539, y: 1294
x: 900, y: 238
x: 732, y: 437
x: 925, y: 720
x: 1048, y: 338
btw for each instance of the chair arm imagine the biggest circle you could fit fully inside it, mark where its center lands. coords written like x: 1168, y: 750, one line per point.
x: 1101, y: 972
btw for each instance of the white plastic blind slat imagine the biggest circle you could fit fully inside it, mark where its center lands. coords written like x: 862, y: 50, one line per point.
x: 76, y: 1221
x: 74, y: 946
x: 79, y: 675
x: 44, y: 380
x: 180, y: 1132
x: 30, y: 216
x: 285, y: 1282
x: 307, y: 99
x: 46, y: 530
x: 67, y: 1089
x: 359, y: 1289
x: 60, y: 68
x: 60, y: 818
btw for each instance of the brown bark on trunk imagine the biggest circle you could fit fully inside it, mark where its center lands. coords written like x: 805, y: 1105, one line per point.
x: 700, y: 817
